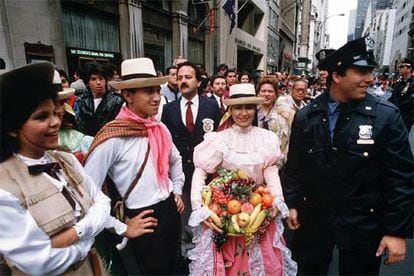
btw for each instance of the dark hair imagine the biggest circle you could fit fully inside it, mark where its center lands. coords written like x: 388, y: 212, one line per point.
x: 222, y: 66
x: 167, y: 71
x: 19, y: 99
x: 192, y: 65
x: 2, y: 64
x: 341, y: 71
x: 92, y: 68
x: 231, y: 70
x: 109, y: 69
x: 245, y: 73
x: 213, y: 78
x: 62, y: 73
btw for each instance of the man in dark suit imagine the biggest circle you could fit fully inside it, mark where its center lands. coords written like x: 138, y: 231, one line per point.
x: 188, y: 119
x: 358, y: 193
x: 218, y: 88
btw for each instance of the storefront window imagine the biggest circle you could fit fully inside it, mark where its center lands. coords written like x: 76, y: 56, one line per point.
x: 90, y: 30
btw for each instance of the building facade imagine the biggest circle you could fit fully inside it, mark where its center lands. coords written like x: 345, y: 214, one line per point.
x: 70, y: 33
x: 401, y: 47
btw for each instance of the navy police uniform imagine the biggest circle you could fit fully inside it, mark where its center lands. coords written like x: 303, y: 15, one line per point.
x: 350, y: 176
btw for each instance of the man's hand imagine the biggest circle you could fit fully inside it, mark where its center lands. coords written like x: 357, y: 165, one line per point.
x: 395, y: 247
x: 292, y: 220
x: 138, y: 226
x: 180, y: 204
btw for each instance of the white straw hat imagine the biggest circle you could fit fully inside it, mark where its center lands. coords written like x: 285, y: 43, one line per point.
x: 137, y: 73
x: 243, y: 94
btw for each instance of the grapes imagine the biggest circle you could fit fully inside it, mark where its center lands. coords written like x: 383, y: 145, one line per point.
x: 220, y: 239
x: 262, y: 229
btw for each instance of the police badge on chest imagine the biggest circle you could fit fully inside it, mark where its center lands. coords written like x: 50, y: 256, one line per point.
x: 365, y: 135
x: 208, y: 125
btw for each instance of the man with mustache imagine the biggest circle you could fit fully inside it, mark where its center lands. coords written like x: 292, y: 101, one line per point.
x: 218, y: 87
x: 188, y: 119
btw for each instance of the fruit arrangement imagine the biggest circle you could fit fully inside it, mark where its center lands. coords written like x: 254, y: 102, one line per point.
x: 238, y: 206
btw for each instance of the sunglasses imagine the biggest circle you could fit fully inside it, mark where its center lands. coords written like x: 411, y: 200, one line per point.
x: 405, y: 65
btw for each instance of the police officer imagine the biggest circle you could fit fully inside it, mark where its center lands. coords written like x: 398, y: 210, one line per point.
x: 403, y: 93
x: 349, y: 175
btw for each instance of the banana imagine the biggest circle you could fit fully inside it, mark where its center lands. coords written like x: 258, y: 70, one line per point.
x: 242, y: 174
x: 206, y: 195
x: 216, y: 219
x: 259, y: 220
x: 235, y: 224
x: 254, y: 214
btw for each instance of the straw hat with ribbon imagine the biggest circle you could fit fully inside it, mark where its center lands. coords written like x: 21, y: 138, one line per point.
x: 243, y: 94
x: 138, y: 73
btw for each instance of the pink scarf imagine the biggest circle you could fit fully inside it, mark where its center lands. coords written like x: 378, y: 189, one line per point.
x: 159, y: 141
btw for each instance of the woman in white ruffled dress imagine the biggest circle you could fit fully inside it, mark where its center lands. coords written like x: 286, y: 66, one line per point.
x: 256, y: 151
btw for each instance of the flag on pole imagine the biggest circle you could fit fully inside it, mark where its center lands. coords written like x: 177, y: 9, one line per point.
x: 230, y: 8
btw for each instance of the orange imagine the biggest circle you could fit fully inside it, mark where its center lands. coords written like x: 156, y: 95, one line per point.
x: 234, y: 206
x: 267, y: 200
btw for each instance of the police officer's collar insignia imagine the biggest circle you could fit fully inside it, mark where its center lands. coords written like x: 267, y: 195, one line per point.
x: 208, y: 125
x: 365, y: 135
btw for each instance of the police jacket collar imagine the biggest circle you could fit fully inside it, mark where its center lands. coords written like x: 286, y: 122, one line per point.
x: 366, y: 106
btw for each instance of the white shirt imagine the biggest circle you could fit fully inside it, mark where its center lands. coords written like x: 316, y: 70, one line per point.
x: 121, y: 159
x: 219, y: 101
x: 96, y: 103
x: 194, y: 108
x: 25, y: 244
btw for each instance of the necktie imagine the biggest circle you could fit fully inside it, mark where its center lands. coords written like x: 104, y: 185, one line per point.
x: 51, y: 169
x: 222, y: 108
x: 189, y: 117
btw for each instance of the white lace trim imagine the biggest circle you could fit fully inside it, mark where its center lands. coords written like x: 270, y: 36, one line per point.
x: 202, y: 255
x: 199, y: 215
x: 256, y: 266
x: 289, y: 266
x: 281, y: 206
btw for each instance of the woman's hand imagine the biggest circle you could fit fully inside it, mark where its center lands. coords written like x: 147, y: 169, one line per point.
x: 138, y: 225
x: 64, y: 238
x: 180, y: 204
x: 273, y: 212
x: 207, y: 223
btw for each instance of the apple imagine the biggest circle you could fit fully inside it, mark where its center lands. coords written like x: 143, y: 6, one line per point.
x: 215, y: 208
x: 247, y: 207
x: 255, y: 198
x: 243, y: 219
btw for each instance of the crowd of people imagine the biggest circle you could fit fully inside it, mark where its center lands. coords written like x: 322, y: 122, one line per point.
x: 104, y: 175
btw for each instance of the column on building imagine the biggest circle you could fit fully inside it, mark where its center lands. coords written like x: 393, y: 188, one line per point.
x: 180, y: 29
x: 131, y: 29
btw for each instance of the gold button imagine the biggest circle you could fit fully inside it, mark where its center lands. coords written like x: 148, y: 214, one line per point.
x: 366, y: 154
x: 371, y: 210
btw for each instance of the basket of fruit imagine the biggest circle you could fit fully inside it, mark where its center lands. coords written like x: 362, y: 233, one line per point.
x: 238, y: 206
